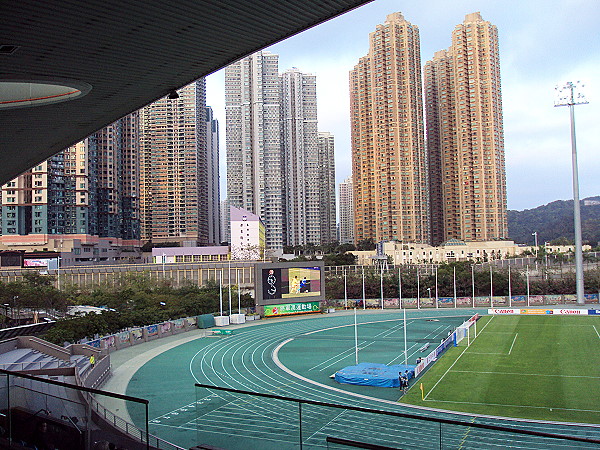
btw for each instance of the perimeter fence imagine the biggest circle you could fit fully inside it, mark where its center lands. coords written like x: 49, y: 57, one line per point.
x: 235, y: 419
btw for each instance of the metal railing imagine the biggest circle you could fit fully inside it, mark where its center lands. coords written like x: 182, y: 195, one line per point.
x: 311, y: 422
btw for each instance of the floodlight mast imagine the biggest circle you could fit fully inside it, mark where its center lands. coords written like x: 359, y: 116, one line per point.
x: 571, y: 94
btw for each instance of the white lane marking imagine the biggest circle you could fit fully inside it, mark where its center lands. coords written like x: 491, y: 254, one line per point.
x: 513, y: 344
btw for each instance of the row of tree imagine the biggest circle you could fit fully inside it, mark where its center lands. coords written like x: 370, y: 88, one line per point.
x: 137, y: 300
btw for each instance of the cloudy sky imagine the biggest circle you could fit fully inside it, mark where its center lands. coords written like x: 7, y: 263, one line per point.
x: 542, y: 44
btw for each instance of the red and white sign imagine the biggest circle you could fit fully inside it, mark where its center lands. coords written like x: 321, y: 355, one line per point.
x: 571, y: 312
x: 503, y: 311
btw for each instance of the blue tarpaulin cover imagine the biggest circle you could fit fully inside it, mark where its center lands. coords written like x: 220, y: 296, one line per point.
x: 372, y: 374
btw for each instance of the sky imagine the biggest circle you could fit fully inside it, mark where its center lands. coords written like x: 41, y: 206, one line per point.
x: 542, y: 44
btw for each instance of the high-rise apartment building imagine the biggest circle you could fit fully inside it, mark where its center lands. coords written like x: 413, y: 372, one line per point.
x: 90, y: 188
x: 175, y: 196
x: 213, y: 185
x: 278, y: 165
x: 346, y: 212
x: 298, y: 97
x: 389, y: 163
x: 465, y: 136
x: 255, y: 160
x: 326, y: 183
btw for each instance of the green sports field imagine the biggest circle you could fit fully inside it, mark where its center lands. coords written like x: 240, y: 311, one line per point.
x: 537, y: 367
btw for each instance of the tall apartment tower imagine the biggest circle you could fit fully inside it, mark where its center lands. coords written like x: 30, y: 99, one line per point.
x: 346, y: 212
x: 326, y: 183
x: 214, y: 189
x: 174, y: 172
x: 465, y: 136
x: 255, y: 161
x: 301, y: 156
x: 89, y: 188
x: 117, y: 182
x: 389, y: 163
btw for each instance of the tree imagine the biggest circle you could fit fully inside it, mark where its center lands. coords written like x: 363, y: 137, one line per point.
x: 365, y: 244
x: 339, y: 259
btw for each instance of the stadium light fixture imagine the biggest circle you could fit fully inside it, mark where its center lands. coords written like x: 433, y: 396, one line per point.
x: 571, y: 94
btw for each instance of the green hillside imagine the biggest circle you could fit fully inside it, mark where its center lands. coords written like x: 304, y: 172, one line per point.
x: 554, y: 221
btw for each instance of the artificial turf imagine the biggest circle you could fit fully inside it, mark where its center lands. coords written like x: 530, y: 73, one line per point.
x: 536, y: 367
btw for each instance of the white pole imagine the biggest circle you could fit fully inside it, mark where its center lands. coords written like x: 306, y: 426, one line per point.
x: 345, y: 291
x: 363, y: 286
x: 163, y: 265
x: 229, y: 284
x: 491, y: 288
x: 473, y: 283
x: 454, y: 282
x: 221, y: 292
x: 436, y: 288
x: 527, y: 285
x: 381, y: 286
x: 355, y: 338
x: 400, y: 289
x: 405, y: 347
x: 418, y: 290
x: 237, y: 280
x: 509, y: 289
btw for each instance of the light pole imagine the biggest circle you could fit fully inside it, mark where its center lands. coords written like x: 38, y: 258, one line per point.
x: 536, y: 248
x: 571, y: 94
x: 163, y: 265
x: 473, y: 282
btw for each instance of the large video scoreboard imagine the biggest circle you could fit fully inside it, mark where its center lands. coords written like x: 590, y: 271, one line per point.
x: 290, y: 286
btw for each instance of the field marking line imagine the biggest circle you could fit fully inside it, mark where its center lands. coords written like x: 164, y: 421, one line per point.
x: 515, y: 406
x: 513, y: 344
x: 596, y: 331
x: 465, y: 435
x: 262, y: 438
x: 528, y: 374
x: 486, y: 353
x: 456, y: 360
x: 324, y: 425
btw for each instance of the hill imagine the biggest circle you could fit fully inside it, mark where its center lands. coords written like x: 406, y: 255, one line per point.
x: 555, y: 220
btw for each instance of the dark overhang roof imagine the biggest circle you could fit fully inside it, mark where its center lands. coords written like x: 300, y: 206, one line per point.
x: 129, y: 53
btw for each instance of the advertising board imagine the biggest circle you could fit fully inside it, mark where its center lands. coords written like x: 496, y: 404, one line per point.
x: 291, y: 308
x: 278, y: 283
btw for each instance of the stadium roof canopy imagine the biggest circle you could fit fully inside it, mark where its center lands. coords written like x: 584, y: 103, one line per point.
x: 69, y: 68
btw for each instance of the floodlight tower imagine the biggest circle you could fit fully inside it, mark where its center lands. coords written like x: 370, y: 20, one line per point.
x: 571, y: 94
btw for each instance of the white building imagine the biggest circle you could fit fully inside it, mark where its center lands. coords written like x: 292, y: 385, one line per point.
x: 247, y: 235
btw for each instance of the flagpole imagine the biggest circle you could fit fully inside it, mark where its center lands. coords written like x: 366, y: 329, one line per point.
x: 509, y: 289
x: 221, y: 292
x: 418, y: 290
x: 237, y: 279
x: 405, y: 348
x: 345, y: 291
x: 355, y: 338
x: 399, y: 288
x: 454, y: 278
x: 229, y: 284
x: 363, y: 280
x: 436, y: 288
